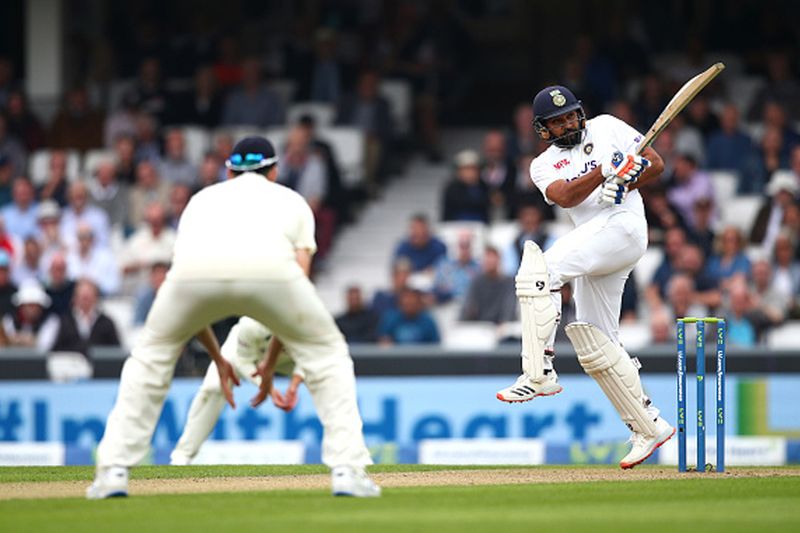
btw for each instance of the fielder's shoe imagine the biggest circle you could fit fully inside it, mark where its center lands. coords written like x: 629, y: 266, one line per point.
x: 177, y: 458
x: 525, y: 389
x: 350, y: 481
x: 643, y: 445
x: 108, y: 482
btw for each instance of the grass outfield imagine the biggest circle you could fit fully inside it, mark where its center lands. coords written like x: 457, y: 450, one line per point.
x: 716, y: 503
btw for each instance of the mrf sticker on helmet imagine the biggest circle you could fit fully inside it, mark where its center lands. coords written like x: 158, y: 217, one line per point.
x: 558, y: 98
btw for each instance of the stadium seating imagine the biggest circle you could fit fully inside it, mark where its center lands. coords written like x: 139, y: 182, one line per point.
x: 39, y: 164
x: 398, y: 93
x: 740, y: 211
x: 786, y: 336
x: 93, y: 158
x: 198, y: 141
x: 350, y: 148
x: 324, y: 114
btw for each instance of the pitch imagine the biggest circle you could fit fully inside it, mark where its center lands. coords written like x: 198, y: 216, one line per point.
x: 417, y: 498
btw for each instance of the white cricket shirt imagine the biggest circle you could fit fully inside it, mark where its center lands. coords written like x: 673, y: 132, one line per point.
x: 604, y: 135
x: 245, y: 227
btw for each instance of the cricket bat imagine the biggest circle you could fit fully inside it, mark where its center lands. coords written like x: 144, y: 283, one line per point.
x: 681, y: 99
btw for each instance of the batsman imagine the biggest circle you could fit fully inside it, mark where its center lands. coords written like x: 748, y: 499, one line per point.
x: 592, y: 170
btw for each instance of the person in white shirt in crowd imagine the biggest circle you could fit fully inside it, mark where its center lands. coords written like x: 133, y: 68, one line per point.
x: 29, y: 325
x: 50, y: 238
x: 94, y: 262
x: 179, y: 198
x: 27, y: 265
x: 20, y: 214
x: 109, y: 194
x: 154, y: 239
x: 80, y: 212
x: 149, y: 187
x: 175, y: 166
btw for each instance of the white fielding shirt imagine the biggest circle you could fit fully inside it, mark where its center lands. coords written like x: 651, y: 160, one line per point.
x: 246, y: 227
x: 248, y: 341
x: 604, y: 135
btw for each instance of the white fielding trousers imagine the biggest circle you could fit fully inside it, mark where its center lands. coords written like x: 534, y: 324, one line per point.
x: 597, y: 257
x: 294, y: 313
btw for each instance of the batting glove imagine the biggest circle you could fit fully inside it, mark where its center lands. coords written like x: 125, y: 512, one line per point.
x: 613, y: 193
x: 624, y: 169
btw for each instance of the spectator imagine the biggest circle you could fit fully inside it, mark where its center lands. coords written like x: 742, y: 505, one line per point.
x: 466, y: 196
x: 782, y: 87
x: 93, y: 262
x: 701, y: 232
x: 730, y: 148
x: 421, y: 248
x: 691, y: 262
x: 7, y: 287
x: 769, y: 305
x: 651, y: 101
x: 774, y: 116
x: 410, y: 323
x: 782, y: 190
x: 149, y: 93
x: 23, y: 123
x: 50, y: 238
x: 11, y: 150
x: 358, y: 323
x: 77, y: 125
x: 529, y: 221
x: 368, y: 111
x: 453, y: 276
x: 30, y: 325
x: 687, y: 185
x: 58, y: 285
x: 223, y: 148
x: 730, y: 258
x: 175, y: 166
x: 209, y: 171
x: 699, y: 115
x: 526, y: 192
x: 148, y: 145
x: 109, y: 195
x: 8, y: 243
x: 769, y: 159
x: 253, y: 103
x: 203, y: 105
x: 149, y: 188
x: 498, y: 173
x: 491, y: 296
x: 20, y: 215
x: 8, y: 80
x: 674, y: 243
x: 55, y: 186
x: 386, y: 300
x: 6, y: 179
x: 27, y: 267
x: 147, y: 294
x: 741, y: 331
x: 80, y: 211
x: 327, y: 73
x: 153, y: 240
x: 786, y: 270
x: 125, y: 157
x: 178, y: 200
x: 121, y: 122
x: 85, y: 326
x: 522, y: 140
x: 687, y: 139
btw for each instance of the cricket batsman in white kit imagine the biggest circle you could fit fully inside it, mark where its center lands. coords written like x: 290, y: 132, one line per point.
x: 243, y: 247
x: 591, y: 170
x: 244, y: 348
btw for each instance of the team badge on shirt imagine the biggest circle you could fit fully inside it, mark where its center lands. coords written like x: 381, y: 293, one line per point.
x: 588, y: 148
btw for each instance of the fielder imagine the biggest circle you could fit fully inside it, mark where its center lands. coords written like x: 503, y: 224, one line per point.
x: 245, y: 346
x: 591, y: 170
x: 244, y: 247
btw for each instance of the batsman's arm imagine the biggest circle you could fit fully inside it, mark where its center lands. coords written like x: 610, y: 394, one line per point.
x: 653, y: 171
x: 570, y: 193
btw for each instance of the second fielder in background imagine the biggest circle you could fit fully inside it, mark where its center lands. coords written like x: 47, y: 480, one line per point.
x: 245, y: 346
x: 590, y: 169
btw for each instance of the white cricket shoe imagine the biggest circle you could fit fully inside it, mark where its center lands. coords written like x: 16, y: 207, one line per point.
x: 526, y: 389
x: 108, y: 482
x: 643, y: 445
x: 350, y: 481
x: 177, y: 458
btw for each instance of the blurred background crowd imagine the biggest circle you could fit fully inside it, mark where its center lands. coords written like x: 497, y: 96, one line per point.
x: 414, y: 113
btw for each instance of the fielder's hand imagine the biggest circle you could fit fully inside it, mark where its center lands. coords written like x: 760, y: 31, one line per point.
x: 266, y: 373
x: 288, y: 401
x: 613, y: 193
x: 624, y: 169
x: 227, y: 375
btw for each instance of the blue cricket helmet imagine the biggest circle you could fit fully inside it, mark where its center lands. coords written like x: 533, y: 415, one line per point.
x: 554, y: 101
x: 252, y: 153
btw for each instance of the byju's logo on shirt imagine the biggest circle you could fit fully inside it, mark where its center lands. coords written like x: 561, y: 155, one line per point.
x: 587, y: 167
x: 561, y: 164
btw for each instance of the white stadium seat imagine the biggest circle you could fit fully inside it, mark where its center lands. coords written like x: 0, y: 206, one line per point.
x: 785, y: 336
x: 198, y: 142
x: 93, y: 158
x: 349, y: 146
x: 324, y: 114
x: 741, y: 211
x: 742, y: 90
x: 470, y: 336
x: 39, y: 165
x: 277, y: 136
x: 449, y: 232
x: 398, y: 92
x: 725, y: 183
x: 502, y: 234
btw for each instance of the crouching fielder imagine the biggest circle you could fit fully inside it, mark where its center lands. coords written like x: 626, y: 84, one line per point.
x: 245, y: 346
x: 591, y: 169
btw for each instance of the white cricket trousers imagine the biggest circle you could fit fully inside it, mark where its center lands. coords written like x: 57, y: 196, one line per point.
x: 597, y: 258
x: 295, y: 314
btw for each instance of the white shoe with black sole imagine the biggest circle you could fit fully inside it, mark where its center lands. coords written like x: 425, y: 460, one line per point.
x: 526, y: 389
x: 111, y: 482
x: 350, y: 481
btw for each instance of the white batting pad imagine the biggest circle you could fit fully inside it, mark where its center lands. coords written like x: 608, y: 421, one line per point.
x: 538, y: 315
x: 614, y: 371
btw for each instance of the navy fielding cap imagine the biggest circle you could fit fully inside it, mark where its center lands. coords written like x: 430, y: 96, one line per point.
x: 252, y: 153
